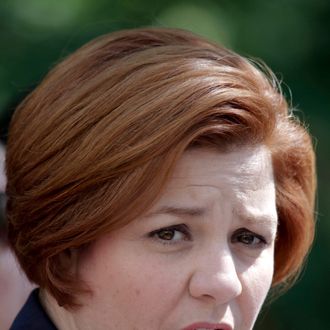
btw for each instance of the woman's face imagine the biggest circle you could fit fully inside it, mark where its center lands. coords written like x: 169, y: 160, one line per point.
x: 203, y: 253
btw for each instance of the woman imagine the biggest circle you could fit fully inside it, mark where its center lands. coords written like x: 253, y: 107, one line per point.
x: 157, y: 181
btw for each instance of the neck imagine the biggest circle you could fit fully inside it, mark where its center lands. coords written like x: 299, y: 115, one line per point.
x: 62, y: 318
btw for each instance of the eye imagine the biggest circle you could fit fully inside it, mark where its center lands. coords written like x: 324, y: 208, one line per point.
x: 171, y: 235
x: 249, y: 238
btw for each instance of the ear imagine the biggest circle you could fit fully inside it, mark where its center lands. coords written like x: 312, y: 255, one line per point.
x: 69, y: 260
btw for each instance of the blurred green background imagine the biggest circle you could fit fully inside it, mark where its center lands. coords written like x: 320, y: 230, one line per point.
x: 291, y: 36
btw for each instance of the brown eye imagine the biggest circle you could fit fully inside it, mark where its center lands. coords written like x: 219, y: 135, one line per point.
x: 166, y: 234
x: 171, y: 235
x: 247, y: 237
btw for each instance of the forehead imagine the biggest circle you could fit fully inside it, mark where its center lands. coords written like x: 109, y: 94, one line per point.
x: 239, y: 182
x: 250, y: 167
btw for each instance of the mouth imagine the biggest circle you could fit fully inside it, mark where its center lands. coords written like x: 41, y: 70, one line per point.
x: 208, y: 326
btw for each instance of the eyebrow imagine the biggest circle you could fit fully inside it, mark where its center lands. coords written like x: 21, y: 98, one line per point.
x: 180, y: 211
x: 252, y: 219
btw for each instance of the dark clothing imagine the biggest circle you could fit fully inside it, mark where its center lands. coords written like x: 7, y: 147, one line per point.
x: 32, y: 316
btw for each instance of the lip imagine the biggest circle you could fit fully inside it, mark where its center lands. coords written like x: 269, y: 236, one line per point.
x: 207, y: 325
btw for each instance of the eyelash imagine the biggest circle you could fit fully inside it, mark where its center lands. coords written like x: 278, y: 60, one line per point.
x: 183, y: 229
x: 248, y: 233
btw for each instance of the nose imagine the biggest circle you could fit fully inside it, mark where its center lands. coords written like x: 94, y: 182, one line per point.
x: 215, y: 277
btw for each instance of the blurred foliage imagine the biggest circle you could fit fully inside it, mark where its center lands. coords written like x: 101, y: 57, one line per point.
x: 291, y: 36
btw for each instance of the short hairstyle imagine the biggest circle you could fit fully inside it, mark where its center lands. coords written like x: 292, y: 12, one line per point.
x: 91, y: 148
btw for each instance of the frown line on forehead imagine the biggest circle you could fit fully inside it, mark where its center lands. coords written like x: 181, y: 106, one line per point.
x: 198, y: 212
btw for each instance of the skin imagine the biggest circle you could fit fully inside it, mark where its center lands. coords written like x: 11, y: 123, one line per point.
x: 215, y: 265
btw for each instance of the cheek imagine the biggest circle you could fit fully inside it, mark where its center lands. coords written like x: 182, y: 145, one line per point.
x: 256, y: 280
x: 126, y: 281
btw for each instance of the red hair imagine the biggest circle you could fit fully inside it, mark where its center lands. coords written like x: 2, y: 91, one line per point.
x: 91, y: 148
